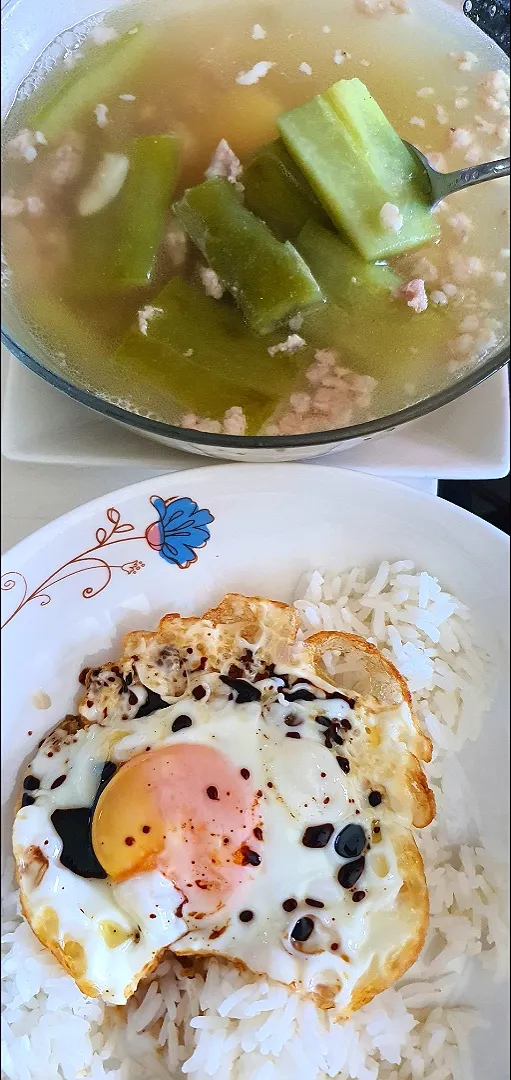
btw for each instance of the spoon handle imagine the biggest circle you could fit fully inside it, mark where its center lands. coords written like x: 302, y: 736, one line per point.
x: 476, y: 174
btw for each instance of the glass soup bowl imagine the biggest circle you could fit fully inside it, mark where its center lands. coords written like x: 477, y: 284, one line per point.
x: 27, y: 28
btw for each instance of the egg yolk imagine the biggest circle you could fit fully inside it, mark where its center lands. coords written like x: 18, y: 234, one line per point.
x: 186, y: 811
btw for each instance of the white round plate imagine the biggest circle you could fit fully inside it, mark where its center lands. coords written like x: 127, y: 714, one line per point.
x: 74, y: 588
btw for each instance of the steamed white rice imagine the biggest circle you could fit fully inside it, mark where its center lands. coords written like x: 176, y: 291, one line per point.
x: 233, y: 1027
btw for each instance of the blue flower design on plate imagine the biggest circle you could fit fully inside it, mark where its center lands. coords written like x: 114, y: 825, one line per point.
x: 181, y: 530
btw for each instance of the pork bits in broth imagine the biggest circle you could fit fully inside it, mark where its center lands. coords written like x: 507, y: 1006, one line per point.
x: 182, y: 239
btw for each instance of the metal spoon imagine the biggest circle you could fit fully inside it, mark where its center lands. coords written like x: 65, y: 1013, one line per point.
x: 444, y: 184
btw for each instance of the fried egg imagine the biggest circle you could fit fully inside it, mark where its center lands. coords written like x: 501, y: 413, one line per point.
x: 228, y: 791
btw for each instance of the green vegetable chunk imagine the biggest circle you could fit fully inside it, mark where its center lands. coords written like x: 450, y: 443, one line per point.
x: 269, y: 280
x: 154, y: 365
x: 346, y: 278
x: 86, y: 85
x: 356, y: 163
x: 144, y: 203
x: 277, y: 192
x: 372, y: 329
x: 205, y: 356
x: 117, y: 248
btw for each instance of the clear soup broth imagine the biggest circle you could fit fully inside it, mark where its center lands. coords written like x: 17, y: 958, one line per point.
x: 185, y: 79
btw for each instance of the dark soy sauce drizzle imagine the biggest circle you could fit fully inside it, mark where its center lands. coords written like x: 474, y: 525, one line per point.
x: 301, y: 694
x: 74, y: 828
x: 350, y: 873
x: 317, y: 836
x: 350, y: 842
x: 31, y: 783
x: 77, y: 855
x: 302, y: 930
x: 153, y: 704
x: 244, y: 690
x: 336, y: 695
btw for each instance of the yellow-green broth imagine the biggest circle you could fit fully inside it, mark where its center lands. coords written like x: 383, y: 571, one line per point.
x: 187, y: 85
